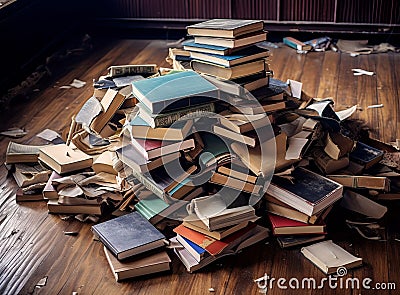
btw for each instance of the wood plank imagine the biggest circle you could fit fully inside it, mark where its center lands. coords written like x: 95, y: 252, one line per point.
x: 313, y: 64
x: 329, y: 75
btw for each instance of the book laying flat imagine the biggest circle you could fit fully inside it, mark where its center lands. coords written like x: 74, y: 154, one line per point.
x: 213, y: 246
x: 49, y: 191
x: 310, y: 192
x: 131, y: 157
x: 225, y: 28
x: 196, y: 251
x: 234, y: 183
x: 269, y: 92
x: 22, y: 153
x: 292, y: 241
x: 286, y: 226
x: 259, y: 233
x: 326, y: 164
x: 328, y: 256
x: 241, y: 124
x: 151, y: 149
x: 254, y: 81
x: 26, y: 175
x: 63, y: 159
x: 150, y: 206
x: 233, y: 72
x: 140, y: 129
x: 191, y: 46
x: 128, y: 235
x: 137, y: 266
x: 194, y: 223
x: 104, y: 163
x: 237, y: 172
x: 21, y: 196
x: 356, y: 181
x: 240, y: 41
x: 366, y: 155
x: 55, y: 207
x: 242, y: 56
x: 174, y: 91
x: 296, y: 44
x: 253, y: 108
x: 250, y: 138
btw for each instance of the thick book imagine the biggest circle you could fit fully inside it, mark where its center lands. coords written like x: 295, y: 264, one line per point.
x: 258, y: 234
x: 55, y: 207
x: 238, y: 172
x: 309, y: 192
x: 326, y: 164
x: 366, y: 155
x: 151, y: 149
x: 139, y: 128
x: 21, y: 196
x: 22, y: 153
x: 243, y: 40
x: 286, y: 226
x: 167, y: 119
x: 191, y: 46
x: 138, y: 266
x: 250, y: 138
x: 362, y: 181
x: 229, y: 73
x: 295, y: 240
x: 63, y: 158
x: 174, y: 91
x: 237, y: 184
x: 328, y: 257
x: 128, y: 235
x: 296, y: 44
x: 225, y: 28
x: 241, y: 56
x: 196, y: 251
x: 241, y: 123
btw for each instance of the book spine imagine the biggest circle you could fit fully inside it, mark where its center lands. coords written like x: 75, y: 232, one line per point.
x: 294, y: 43
x: 165, y: 120
x: 149, y: 184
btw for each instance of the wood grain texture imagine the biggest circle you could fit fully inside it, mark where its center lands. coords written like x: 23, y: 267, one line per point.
x: 32, y: 243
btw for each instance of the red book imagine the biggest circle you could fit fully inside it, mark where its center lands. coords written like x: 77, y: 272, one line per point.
x: 286, y: 226
x: 151, y: 148
x: 213, y: 246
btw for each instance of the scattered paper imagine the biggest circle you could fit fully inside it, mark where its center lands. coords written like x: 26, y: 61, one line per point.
x: 295, y: 147
x: 42, y: 282
x: 375, y: 106
x: 359, y: 72
x: 65, y: 87
x: 295, y: 87
x: 77, y: 83
x: 319, y: 106
x: 48, y: 135
x: 14, y: 132
x: 211, y: 289
x: 344, y: 114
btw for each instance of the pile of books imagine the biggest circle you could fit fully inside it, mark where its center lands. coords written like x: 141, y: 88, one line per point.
x: 184, y: 152
x: 227, y: 49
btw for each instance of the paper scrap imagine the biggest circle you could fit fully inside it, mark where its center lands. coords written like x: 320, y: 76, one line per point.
x: 14, y: 132
x: 48, y: 135
x: 359, y: 72
x: 295, y: 147
x: 42, y: 282
x: 295, y: 87
x: 375, y: 106
x: 344, y: 114
x: 77, y: 83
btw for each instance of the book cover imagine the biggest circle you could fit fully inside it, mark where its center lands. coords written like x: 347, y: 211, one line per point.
x: 296, y: 44
x: 196, y: 251
x: 206, y: 48
x: 366, y: 155
x: 225, y: 28
x: 174, y: 91
x: 128, y: 235
x: 240, y: 41
x: 286, y: 226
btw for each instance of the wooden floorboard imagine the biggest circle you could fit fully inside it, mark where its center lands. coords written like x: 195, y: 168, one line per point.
x: 32, y: 243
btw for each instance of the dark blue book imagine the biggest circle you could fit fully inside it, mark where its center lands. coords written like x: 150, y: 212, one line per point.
x: 191, y: 46
x: 366, y: 155
x: 174, y: 91
x: 128, y: 235
x: 195, y: 250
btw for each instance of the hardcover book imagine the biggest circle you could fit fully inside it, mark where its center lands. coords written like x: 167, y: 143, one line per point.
x: 56, y: 208
x: 22, y: 153
x: 174, y: 91
x: 225, y: 28
x: 366, y: 155
x: 196, y: 251
x: 286, y: 226
x: 240, y: 41
x: 210, y: 49
x: 128, y: 235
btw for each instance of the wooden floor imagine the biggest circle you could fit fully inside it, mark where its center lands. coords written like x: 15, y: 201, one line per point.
x: 32, y: 243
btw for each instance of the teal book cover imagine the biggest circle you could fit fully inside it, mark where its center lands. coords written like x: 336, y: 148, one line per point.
x: 150, y: 206
x: 174, y: 91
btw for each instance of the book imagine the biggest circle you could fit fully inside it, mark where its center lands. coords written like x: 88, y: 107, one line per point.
x: 296, y: 240
x: 242, y: 56
x: 213, y: 246
x: 241, y: 123
x: 55, y: 207
x: 225, y: 28
x: 191, y: 46
x: 364, y: 181
x: 250, y: 138
x: 33, y: 195
x: 296, y: 44
x: 63, y: 159
x: 104, y: 163
x: 174, y: 91
x: 338, y: 145
x: 151, y: 149
x: 237, y: 172
x: 126, y: 70
x: 128, y: 235
x: 254, y: 81
x: 234, y: 183
x: 26, y: 175
x: 49, y: 191
x: 138, y: 128
x: 326, y: 164
x: 240, y: 41
x: 366, y: 155
x: 268, y: 92
x: 193, y: 222
x: 131, y: 157
x: 233, y: 72
x: 167, y: 119
x: 137, y: 266
x: 253, y: 108
x: 259, y: 233
x: 309, y: 193
x: 196, y: 251
x: 286, y: 226
x: 328, y: 256
x: 215, y: 151
x: 22, y: 153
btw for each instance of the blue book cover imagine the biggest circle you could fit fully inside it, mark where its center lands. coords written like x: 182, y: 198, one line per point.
x: 195, y: 247
x: 191, y: 43
x: 174, y: 91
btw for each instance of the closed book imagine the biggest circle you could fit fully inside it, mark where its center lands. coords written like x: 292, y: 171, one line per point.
x: 22, y: 153
x: 225, y: 28
x: 286, y: 226
x: 137, y: 266
x: 229, y: 73
x: 234, y: 183
x: 366, y: 155
x: 128, y: 235
x: 243, y: 40
x: 309, y: 192
x: 55, y: 207
x: 241, y: 123
x: 174, y: 91
x: 361, y: 181
x: 238, y: 172
x: 296, y: 44
x: 295, y: 240
x: 279, y: 208
x: 328, y: 256
x: 196, y: 251
x: 250, y: 138
x: 138, y: 128
x: 21, y: 196
x: 245, y: 55
x: 191, y: 46
x: 49, y: 191
x: 151, y: 149
x: 63, y: 159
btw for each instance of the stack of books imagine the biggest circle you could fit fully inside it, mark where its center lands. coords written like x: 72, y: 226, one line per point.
x: 226, y: 49
x: 132, y: 245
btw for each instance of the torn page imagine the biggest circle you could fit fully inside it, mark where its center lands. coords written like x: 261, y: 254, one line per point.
x: 344, y: 114
x: 295, y: 88
x: 77, y: 83
x: 48, y: 135
x: 14, y: 132
x: 293, y: 127
x: 90, y: 110
x: 295, y: 147
x: 127, y: 80
x: 319, y: 106
x: 358, y: 203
